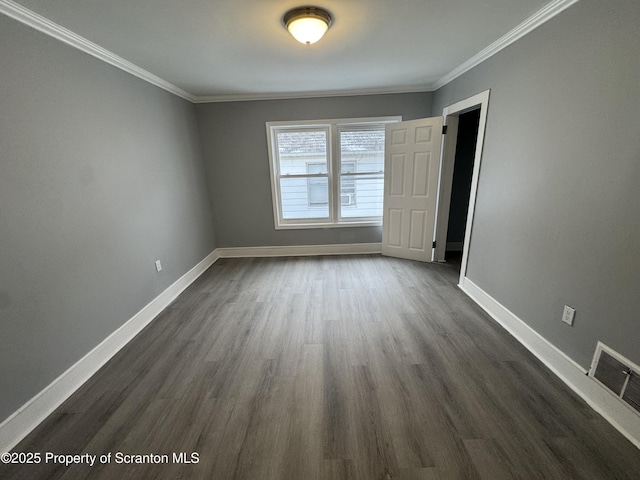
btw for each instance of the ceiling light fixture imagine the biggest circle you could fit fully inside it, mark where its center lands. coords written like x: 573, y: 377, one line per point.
x: 307, y: 24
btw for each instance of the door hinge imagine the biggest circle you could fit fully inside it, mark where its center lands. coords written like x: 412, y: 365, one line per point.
x: 444, y: 129
x: 434, y: 245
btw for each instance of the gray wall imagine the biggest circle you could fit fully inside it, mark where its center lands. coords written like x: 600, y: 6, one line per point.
x: 557, y: 217
x: 100, y: 175
x: 234, y: 143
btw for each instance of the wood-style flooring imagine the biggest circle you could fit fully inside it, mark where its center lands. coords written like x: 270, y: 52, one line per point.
x: 322, y: 368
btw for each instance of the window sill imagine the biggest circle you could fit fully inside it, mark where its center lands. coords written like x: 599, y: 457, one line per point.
x: 315, y: 226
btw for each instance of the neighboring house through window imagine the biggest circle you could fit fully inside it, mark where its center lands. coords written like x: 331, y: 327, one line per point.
x: 327, y: 173
x: 317, y: 188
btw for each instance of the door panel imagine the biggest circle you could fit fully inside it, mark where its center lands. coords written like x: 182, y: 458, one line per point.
x: 397, y: 174
x: 395, y: 225
x: 410, y: 188
x: 417, y: 230
x: 421, y: 163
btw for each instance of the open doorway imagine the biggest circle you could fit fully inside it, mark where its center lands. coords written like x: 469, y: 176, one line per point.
x: 477, y: 106
x: 467, y: 136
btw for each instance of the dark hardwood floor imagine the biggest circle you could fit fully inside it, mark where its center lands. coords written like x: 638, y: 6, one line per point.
x: 357, y: 367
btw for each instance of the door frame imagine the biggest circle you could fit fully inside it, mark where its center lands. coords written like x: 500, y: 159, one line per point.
x: 480, y: 100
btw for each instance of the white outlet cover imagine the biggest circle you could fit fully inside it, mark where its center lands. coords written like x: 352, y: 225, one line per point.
x: 568, y: 314
x: 158, y: 265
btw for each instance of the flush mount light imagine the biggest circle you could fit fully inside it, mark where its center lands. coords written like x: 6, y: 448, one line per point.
x: 307, y: 24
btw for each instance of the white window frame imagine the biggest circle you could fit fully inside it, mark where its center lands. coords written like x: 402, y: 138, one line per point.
x: 333, y: 128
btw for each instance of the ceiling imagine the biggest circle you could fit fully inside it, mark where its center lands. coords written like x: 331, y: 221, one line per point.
x: 233, y: 49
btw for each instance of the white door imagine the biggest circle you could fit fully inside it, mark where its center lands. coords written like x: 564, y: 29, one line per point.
x: 412, y: 164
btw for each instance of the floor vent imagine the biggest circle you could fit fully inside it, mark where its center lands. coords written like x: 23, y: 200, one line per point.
x: 617, y: 374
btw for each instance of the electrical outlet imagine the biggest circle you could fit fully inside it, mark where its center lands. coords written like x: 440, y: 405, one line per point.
x: 568, y: 314
x: 158, y: 266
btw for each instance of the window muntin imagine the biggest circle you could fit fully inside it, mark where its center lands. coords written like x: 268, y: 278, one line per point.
x: 327, y: 173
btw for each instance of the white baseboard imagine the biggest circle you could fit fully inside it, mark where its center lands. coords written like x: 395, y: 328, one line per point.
x: 25, y: 419
x: 600, y: 399
x: 300, y: 250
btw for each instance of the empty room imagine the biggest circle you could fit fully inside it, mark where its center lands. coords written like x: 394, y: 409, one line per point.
x: 357, y: 240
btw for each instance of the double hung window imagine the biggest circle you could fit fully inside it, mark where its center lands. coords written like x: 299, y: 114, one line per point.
x: 327, y: 173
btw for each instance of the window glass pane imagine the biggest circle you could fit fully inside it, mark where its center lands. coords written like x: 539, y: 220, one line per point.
x: 361, y: 196
x: 363, y: 148
x: 348, y: 185
x: 328, y: 172
x: 296, y: 149
x: 297, y: 198
x: 316, y: 168
x: 318, y: 187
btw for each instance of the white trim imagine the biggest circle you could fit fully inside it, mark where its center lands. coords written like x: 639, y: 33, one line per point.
x: 624, y: 419
x: 332, y: 128
x: 27, y: 417
x: 311, y: 225
x: 481, y: 100
x: 338, y: 122
x: 247, y: 97
x: 42, y: 24
x: 38, y: 22
x: 301, y: 250
x: 542, y: 16
x: 33, y: 412
x: 46, y: 26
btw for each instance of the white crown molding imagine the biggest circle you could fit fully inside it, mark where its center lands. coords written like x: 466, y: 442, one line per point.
x: 46, y: 26
x: 543, y: 15
x: 38, y: 22
x: 617, y: 413
x: 29, y: 416
x: 316, y: 94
